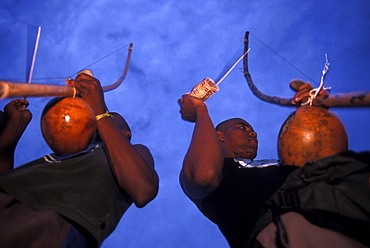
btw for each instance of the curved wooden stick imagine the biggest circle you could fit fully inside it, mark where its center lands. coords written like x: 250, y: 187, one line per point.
x: 12, y: 89
x: 123, y: 76
x: 353, y: 99
x: 252, y: 86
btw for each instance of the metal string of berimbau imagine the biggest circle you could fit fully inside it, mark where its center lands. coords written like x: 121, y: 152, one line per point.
x: 312, y: 131
x: 10, y: 89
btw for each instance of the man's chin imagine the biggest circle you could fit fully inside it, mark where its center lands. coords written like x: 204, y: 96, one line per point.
x: 247, y: 155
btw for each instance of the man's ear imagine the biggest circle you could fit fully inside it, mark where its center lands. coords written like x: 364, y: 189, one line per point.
x: 127, y: 134
x: 220, y: 136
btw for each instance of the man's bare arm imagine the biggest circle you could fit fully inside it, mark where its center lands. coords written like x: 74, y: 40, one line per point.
x: 202, y: 166
x: 132, y: 166
x: 17, y: 118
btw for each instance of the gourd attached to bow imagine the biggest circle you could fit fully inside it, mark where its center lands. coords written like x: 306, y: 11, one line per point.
x: 68, y: 124
x: 311, y: 131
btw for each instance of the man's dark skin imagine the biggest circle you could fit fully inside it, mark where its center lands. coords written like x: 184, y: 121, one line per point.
x: 203, y: 162
x: 131, y: 165
x: 202, y: 174
x: 14, y: 121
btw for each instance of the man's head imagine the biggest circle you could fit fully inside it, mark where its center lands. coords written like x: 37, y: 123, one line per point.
x: 237, y: 138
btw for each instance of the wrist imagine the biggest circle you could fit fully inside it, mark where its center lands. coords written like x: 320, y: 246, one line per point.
x: 105, y: 114
x: 202, y: 108
x: 17, y: 121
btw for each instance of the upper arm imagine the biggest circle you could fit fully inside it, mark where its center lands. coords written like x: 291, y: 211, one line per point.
x: 196, y: 190
x: 145, y: 154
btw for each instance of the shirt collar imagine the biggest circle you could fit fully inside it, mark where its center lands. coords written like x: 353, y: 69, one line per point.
x: 55, y: 158
x: 248, y: 163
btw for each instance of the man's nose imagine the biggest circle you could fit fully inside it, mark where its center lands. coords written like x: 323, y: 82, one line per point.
x: 253, y: 134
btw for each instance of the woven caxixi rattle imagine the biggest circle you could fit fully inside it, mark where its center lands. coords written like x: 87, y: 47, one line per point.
x: 208, y: 87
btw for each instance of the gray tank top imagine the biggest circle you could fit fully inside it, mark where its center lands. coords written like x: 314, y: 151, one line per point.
x: 81, y: 188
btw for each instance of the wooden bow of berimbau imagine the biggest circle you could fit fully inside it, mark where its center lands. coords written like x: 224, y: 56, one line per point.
x: 312, y: 131
x: 12, y: 89
x: 352, y: 99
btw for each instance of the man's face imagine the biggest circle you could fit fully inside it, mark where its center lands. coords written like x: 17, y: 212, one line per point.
x: 238, y: 139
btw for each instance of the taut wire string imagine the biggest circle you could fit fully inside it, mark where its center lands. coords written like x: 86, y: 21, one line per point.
x: 272, y: 50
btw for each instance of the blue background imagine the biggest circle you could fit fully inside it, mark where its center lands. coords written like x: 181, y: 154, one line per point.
x: 177, y: 44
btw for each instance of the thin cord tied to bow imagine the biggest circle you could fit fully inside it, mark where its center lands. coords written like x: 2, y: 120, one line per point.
x: 314, y: 92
